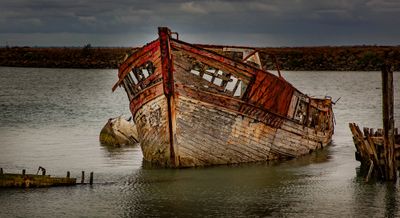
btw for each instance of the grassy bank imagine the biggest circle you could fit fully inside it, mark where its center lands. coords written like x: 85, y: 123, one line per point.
x: 345, y: 58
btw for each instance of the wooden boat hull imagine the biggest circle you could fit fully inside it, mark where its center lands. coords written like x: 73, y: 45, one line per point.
x: 205, y: 134
x: 195, y: 107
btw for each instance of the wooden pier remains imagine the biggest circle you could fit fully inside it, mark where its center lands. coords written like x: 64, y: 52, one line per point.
x: 379, y: 151
x: 24, y: 180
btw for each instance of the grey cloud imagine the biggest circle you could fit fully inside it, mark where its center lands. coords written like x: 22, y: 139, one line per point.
x: 331, y: 20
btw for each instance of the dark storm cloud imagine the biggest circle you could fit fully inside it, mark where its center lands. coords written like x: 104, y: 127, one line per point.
x: 298, y: 22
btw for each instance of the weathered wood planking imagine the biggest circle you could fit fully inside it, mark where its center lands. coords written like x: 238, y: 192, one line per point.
x: 201, y: 108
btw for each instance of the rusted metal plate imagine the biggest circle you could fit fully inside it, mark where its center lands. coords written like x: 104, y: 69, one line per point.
x: 271, y: 93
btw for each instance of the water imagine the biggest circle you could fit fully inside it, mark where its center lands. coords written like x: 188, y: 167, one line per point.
x: 52, y: 118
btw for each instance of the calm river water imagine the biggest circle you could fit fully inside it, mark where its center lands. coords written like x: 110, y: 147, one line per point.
x: 52, y: 118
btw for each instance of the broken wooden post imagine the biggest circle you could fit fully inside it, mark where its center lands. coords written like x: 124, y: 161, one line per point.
x: 83, y: 177
x: 23, y: 172
x: 371, y: 167
x: 1, y: 170
x: 91, y: 178
x: 68, y: 174
x: 43, y: 172
x: 388, y: 123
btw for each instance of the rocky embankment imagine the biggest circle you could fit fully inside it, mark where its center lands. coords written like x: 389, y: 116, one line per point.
x: 344, y: 58
x: 86, y: 57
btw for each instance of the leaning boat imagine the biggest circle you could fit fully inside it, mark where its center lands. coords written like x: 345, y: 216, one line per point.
x: 199, y: 105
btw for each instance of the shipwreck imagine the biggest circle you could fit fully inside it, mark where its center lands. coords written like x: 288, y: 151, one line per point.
x: 199, y: 105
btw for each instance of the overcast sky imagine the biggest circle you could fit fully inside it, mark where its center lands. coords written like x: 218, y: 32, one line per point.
x: 252, y: 22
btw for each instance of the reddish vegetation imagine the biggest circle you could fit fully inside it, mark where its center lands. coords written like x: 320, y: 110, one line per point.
x: 294, y: 58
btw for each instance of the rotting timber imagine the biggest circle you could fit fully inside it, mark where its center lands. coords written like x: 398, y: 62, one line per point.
x: 198, y: 105
x: 13, y: 180
x: 380, y: 151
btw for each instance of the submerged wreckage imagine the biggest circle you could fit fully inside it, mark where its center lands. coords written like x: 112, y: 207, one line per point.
x: 198, y: 105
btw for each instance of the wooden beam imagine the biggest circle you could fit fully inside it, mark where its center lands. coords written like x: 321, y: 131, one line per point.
x: 388, y: 123
x: 168, y: 85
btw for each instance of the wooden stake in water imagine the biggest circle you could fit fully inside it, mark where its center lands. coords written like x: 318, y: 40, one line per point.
x: 83, y: 177
x: 388, y: 123
x: 23, y: 172
x: 91, y: 178
x: 1, y: 170
x: 68, y: 174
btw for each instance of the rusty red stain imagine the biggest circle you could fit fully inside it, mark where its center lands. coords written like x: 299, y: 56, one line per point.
x: 168, y: 84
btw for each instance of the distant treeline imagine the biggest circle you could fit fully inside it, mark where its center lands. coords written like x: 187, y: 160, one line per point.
x: 343, y: 58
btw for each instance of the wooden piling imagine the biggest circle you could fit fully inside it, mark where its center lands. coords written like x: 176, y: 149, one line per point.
x: 23, y: 172
x: 83, y: 177
x: 371, y: 167
x: 43, y: 172
x: 68, y: 174
x: 91, y: 178
x: 1, y: 170
x: 388, y: 123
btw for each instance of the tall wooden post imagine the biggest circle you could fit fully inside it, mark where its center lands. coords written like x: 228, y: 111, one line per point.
x: 388, y: 123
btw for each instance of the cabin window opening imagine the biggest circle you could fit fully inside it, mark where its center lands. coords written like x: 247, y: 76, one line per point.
x: 207, y: 77
x: 313, y: 117
x: 142, y: 72
x: 131, y: 79
x: 237, y: 92
x: 220, y: 80
x: 138, y: 74
x: 128, y: 89
x: 145, y: 73
x: 195, y: 72
x: 232, y: 84
x: 150, y: 68
x: 301, y: 111
x: 318, y: 119
x: 241, y: 89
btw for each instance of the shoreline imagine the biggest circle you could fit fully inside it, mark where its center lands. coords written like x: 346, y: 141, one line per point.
x: 326, y: 58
